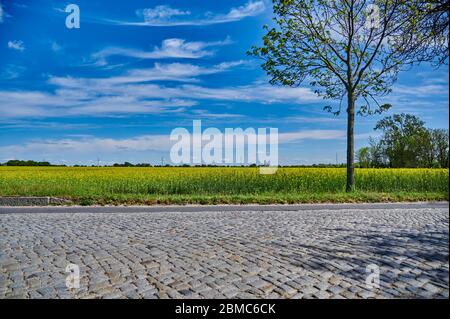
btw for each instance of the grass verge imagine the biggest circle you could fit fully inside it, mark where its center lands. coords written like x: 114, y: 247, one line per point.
x: 264, y: 199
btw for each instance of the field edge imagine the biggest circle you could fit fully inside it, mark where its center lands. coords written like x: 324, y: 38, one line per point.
x: 265, y: 199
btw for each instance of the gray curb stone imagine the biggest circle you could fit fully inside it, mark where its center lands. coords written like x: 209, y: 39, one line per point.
x: 32, y: 201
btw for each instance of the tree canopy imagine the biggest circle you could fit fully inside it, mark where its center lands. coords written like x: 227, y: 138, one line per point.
x: 406, y: 142
x: 425, y: 32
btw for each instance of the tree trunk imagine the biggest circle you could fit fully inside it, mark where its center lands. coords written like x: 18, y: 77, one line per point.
x: 350, y: 186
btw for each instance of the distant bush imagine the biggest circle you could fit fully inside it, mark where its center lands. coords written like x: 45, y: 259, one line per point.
x: 128, y: 164
x: 26, y: 163
x: 406, y: 143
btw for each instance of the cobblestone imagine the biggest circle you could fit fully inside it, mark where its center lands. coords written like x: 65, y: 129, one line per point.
x: 304, y: 254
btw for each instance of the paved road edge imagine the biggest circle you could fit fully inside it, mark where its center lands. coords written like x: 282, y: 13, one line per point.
x: 217, y: 208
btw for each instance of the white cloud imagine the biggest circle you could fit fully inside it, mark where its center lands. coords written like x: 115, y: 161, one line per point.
x: 134, y: 93
x: 262, y: 93
x: 170, y: 48
x: 251, y: 8
x: 135, y: 80
x: 421, y: 91
x: 144, y: 143
x: 98, y: 100
x: 418, y: 99
x: 161, y: 12
x: 125, y: 94
x: 312, y: 119
x: 129, y: 105
x: 87, y: 145
x: 205, y: 114
x: 179, y: 72
x: 311, y: 135
x: 165, y: 16
x: 16, y: 45
x: 32, y: 104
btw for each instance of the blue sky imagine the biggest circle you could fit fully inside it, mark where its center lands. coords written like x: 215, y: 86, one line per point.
x: 115, y: 88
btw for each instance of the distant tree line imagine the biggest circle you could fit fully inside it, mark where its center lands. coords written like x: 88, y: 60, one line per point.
x: 128, y: 164
x: 406, y: 142
x: 27, y: 163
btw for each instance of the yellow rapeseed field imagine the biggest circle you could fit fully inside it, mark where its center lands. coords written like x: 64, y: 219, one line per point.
x: 217, y: 184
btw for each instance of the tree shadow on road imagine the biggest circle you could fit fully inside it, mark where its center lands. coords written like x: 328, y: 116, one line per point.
x: 402, y: 255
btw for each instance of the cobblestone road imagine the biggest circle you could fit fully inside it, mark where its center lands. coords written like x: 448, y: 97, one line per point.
x: 305, y: 254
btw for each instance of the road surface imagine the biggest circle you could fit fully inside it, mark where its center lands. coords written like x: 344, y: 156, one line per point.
x: 299, y: 251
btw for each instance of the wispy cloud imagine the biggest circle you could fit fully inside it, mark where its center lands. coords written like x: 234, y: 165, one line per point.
x: 165, y: 16
x: 125, y: 94
x: 134, y: 82
x: 39, y: 125
x: 134, y: 92
x: 161, y: 12
x: 19, y: 5
x: 87, y: 145
x: 205, y: 114
x: 421, y: 91
x: 419, y: 99
x: 16, y: 45
x: 261, y: 93
x: 143, y: 143
x: 179, y: 72
x: 170, y: 48
x: 310, y: 119
x: 12, y: 71
x: 143, y: 91
x: 35, y: 104
x: 132, y: 99
x: 310, y: 135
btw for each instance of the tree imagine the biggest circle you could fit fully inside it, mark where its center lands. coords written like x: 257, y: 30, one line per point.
x: 377, y: 155
x: 403, y: 140
x: 425, y: 31
x: 26, y: 163
x: 435, y: 26
x: 343, y: 48
x: 440, y: 142
x: 363, y: 157
x: 426, y: 155
x: 406, y: 142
